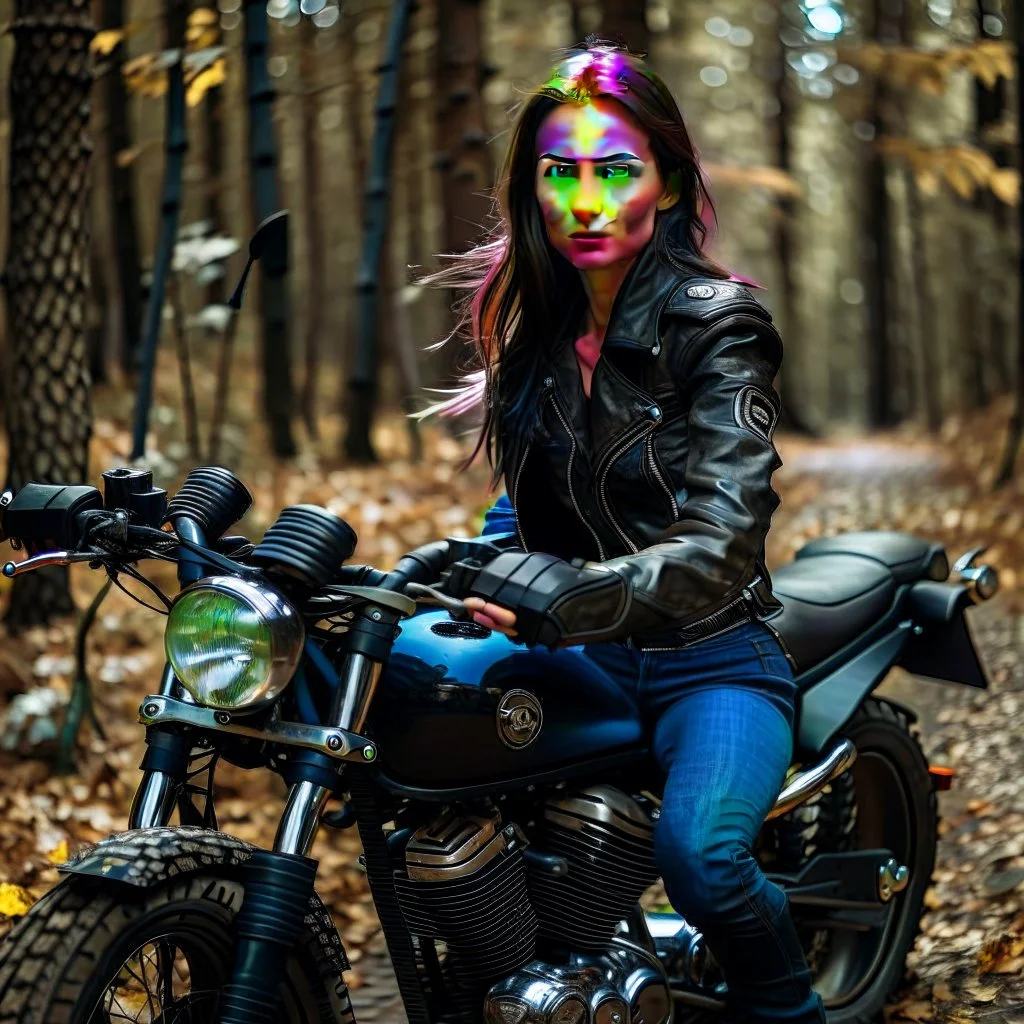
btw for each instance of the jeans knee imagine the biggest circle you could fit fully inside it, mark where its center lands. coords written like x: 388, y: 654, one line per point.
x: 700, y: 873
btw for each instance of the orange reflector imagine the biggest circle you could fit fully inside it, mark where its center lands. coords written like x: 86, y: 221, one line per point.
x: 942, y: 778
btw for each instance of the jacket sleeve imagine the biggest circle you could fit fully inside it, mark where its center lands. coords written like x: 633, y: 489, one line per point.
x: 710, y: 552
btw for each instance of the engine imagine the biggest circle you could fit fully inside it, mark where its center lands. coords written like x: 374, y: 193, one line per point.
x: 465, y: 885
x: 606, y: 841
x: 530, y: 935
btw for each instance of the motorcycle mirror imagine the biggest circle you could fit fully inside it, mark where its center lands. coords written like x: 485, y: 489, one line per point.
x: 270, y: 240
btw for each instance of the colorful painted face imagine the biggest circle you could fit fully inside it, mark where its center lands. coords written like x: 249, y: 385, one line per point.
x: 597, y: 183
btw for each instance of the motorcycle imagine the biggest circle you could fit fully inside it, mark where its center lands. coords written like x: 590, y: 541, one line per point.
x: 505, y: 798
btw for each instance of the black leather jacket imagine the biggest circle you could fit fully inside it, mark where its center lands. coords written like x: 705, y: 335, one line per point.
x: 664, y: 475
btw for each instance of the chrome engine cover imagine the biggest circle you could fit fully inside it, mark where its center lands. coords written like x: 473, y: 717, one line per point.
x: 623, y: 986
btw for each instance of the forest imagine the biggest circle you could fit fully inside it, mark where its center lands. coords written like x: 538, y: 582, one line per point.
x: 864, y: 161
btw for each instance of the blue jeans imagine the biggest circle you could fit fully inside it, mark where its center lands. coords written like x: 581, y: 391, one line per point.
x: 720, y: 714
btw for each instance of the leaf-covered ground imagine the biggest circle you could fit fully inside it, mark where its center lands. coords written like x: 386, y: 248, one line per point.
x: 968, y: 962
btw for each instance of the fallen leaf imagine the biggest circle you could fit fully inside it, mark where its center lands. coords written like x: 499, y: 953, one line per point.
x: 14, y: 900
x: 60, y: 854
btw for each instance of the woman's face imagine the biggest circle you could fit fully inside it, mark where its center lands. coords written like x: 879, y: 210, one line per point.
x: 597, y: 183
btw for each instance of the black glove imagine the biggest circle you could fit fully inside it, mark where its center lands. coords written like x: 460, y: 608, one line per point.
x: 556, y: 602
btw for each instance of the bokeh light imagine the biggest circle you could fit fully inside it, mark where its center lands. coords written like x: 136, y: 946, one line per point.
x: 713, y: 75
x: 327, y: 17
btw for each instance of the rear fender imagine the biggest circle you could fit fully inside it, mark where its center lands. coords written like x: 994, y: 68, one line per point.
x: 942, y: 646
x: 146, y: 858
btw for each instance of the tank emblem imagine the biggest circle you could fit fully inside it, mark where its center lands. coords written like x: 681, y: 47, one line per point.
x: 520, y: 718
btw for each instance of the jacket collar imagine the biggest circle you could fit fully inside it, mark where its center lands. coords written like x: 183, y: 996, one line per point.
x: 637, y: 309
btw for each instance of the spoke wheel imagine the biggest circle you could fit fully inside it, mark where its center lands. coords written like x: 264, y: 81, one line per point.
x: 158, y: 984
x: 88, y: 953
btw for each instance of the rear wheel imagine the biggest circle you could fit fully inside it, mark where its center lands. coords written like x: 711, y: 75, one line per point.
x: 87, y: 954
x: 886, y: 800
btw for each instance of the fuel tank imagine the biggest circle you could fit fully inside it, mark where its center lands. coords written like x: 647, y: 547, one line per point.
x: 458, y: 705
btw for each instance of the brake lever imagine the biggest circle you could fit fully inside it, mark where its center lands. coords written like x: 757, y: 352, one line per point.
x: 453, y: 605
x: 12, y: 569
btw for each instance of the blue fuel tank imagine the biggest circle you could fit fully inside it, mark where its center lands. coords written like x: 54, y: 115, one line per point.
x: 458, y: 705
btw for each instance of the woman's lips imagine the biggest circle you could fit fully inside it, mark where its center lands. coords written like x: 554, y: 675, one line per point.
x: 588, y: 239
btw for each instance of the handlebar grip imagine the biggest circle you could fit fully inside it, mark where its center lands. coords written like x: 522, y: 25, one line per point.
x: 424, y: 565
x: 48, y: 514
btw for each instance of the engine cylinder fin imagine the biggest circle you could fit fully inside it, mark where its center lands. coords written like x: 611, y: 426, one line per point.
x: 465, y: 884
x: 606, y: 839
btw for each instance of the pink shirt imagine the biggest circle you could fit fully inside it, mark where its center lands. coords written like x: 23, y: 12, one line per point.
x: 588, y: 349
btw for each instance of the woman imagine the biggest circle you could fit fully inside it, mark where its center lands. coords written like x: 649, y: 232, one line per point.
x: 629, y: 406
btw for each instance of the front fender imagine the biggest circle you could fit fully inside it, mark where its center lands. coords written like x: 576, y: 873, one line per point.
x: 148, y: 857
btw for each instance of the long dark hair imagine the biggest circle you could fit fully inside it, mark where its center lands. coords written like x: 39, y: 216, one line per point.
x: 519, y: 288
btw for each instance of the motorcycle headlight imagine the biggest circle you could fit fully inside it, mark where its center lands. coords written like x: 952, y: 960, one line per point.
x: 231, y: 643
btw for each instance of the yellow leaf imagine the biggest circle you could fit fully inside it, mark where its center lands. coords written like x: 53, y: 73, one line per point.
x: 14, y: 901
x: 1005, y: 185
x: 927, y: 181
x: 107, y: 41
x: 207, y: 79
x: 200, y: 37
x: 60, y: 854
x: 203, y: 16
x: 978, y: 164
x: 960, y: 179
x: 985, y: 71
x: 138, y: 64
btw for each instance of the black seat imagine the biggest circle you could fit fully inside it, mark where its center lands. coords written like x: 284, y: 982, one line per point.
x: 828, y: 601
x: 907, y: 557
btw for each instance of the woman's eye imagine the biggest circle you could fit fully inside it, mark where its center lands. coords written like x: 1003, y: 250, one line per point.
x: 618, y: 172
x: 561, y: 171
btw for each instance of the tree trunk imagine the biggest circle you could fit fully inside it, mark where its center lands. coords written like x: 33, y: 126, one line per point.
x: 126, y: 238
x: 175, y: 147
x: 993, y: 326
x: 790, y: 418
x: 626, y: 18
x: 275, y: 340
x: 463, y: 158
x: 213, y: 151
x: 879, y: 266
x: 1005, y: 473
x: 364, y: 379
x: 314, y: 227
x: 48, y: 414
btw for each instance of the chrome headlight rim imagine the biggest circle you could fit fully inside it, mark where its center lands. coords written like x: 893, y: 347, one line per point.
x: 278, y: 614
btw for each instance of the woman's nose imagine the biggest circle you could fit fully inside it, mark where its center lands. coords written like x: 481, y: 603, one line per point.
x: 587, y: 205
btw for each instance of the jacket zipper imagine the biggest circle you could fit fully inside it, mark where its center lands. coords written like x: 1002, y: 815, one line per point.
x: 652, y: 461
x: 549, y: 384
x: 515, y: 496
x: 631, y: 438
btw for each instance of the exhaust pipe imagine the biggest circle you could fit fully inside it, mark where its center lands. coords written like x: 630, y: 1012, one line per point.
x: 839, y: 758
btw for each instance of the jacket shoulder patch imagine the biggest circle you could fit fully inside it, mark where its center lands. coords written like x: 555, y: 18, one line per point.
x: 755, y: 411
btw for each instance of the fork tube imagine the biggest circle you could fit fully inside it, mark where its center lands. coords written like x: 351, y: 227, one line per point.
x: 154, y: 801
x: 355, y: 692
x: 301, y: 819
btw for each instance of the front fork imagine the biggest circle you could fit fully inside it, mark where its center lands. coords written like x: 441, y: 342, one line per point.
x: 278, y: 884
x: 311, y: 778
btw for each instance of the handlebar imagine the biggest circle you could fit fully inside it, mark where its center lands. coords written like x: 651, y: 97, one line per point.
x: 73, y: 522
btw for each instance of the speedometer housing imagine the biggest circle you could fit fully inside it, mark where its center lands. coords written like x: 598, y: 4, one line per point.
x: 233, y: 644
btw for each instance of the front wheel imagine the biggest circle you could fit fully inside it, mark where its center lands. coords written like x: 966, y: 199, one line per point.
x: 91, y: 954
